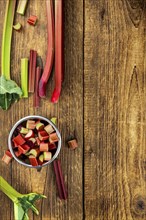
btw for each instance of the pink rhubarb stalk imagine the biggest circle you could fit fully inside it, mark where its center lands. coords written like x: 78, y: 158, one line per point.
x: 58, y: 50
x: 36, y: 93
x: 50, y: 53
x: 32, y: 70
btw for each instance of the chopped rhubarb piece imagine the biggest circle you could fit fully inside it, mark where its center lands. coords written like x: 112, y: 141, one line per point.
x: 38, y: 141
x: 17, y: 26
x: 18, y: 153
x: 41, y: 159
x: 54, y: 120
x: 29, y: 135
x: 43, y: 135
x: 39, y: 126
x: 15, y: 145
x: 38, y: 121
x: 30, y: 143
x: 30, y: 124
x: 24, y: 130
x: 33, y: 161
x: 49, y: 129
x: 52, y: 147
x: 44, y: 147
x: 6, y: 159
x: 8, y: 153
x: 73, y: 144
x: 47, y: 156
x: 59, y: 179
x: 53, y: 138
x: 24, y: 148
x: 33, y: 140
x: 32, y: 20
x: 18, y: 140
x: 34, y: 152
x: 18, y: 128
x: 22, y: 7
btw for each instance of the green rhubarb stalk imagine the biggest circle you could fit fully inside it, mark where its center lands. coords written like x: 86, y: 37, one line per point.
x: 9, y: 90
x: 22, y: 202
x: 7, y: 36
x: 24, y: 77
x: 22, y: 7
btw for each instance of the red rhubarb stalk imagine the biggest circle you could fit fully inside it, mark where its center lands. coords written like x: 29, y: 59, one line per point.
x: 32, y: 70
x: 58, y: 50
x: 50, y: 50
x: 36, y: 93
x: 59, y: 179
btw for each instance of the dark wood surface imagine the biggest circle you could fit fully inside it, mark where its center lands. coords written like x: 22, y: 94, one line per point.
x: 102, y: 101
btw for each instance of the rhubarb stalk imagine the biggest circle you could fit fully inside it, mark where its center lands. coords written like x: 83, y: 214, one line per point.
x: 24, y: 77
x: 22, y: 202
x: 32, y: 70
x: 58, y: 50
x: 50, y: 50
x: 59, y: 179
x: 36, y: 93
x: 9, y: 90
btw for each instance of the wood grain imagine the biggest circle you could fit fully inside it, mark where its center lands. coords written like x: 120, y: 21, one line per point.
x: 68, y: 111
x: 103, y: 103
x: 114, y: 102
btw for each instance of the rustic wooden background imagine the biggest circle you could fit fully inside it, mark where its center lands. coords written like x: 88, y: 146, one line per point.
x: 103, y: 101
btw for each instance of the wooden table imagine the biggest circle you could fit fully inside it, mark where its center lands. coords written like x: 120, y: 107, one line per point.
x: 103, y: 101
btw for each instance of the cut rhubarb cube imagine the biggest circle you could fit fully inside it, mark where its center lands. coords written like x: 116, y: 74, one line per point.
x: 53, y: 138
x: 73, y: 144
x: 52, y: 146
x: 41, y: 159
x: 38, y: 141
x: 43, y: 135
x: 47, y: 156
x: 8, y: 153
x: 29, y: 135
x: 30, y: 143
x: 32, y: 20
x: 34, y: 152
x: 19, y: 140
x: 24, y: 130
x: 33, y: 161
x: 39, y: 126
x: 30, y: 124
x: 6, y: 158
x: 44, y: 147
x: 33, y: 140
x: 38, y: 121
x: 18, y: 153
x: 24, y: 148
x: 15, y: 145
x: 49, y: 129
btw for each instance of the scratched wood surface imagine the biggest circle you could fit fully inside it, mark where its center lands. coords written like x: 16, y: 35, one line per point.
x: 68, y: 111
x: 103, y: 101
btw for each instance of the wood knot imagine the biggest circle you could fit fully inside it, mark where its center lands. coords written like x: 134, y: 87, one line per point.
x: 102, y: 13
x: 139, y: 205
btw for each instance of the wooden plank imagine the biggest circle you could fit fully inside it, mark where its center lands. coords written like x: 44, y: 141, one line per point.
x: 114, y: 119
x: 68, y: 111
